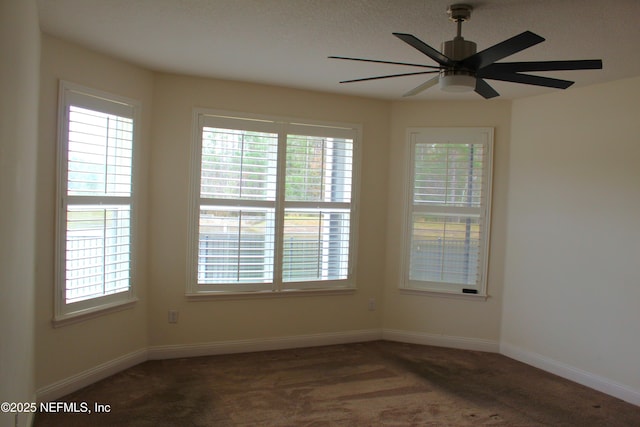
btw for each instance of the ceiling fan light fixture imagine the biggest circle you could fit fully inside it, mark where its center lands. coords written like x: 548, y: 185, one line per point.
x: 457, y: 83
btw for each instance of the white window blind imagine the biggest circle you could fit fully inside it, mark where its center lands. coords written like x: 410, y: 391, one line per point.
x: 274, y: 203
x: 317, y: 208
x: 237, y: 206
x: 98, y: 250
x: 100, y: 147
x: 95, y: 201
x: 448, y: 220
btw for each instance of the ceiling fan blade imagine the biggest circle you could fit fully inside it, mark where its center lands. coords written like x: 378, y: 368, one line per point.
x: 424, y: 86
x: 516, y: 67
x: 529, y: 80
x: 432, y: 53
x: 384, y: 62
x: 501, y: 50
x: 485, y: 90
x: 388, y: 76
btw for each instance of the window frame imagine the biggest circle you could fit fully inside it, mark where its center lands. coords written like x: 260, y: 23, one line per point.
x: 447, y: 135
x: 282, y: 126
x: 72, y: 94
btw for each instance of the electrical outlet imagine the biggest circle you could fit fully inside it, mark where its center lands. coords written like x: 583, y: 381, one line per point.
x: 372, y: 304
x: 173, y: 316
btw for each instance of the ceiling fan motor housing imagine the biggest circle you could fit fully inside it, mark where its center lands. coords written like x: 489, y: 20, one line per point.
x: 457, y: 79
x: 458, y: 48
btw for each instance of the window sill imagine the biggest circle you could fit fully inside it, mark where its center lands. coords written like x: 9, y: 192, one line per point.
x: 92, y: 313
x: 444, y: 294
x: 207, y: 296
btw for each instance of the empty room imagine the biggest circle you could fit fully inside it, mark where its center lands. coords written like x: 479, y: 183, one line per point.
x: 296, y: 212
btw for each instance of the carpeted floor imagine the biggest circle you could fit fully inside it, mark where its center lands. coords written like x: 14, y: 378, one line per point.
x: 367, y: 384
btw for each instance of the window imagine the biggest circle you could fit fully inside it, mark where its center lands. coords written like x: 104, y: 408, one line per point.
x: 448, y: 209
x: 95, y: 205
x: 273, y: 205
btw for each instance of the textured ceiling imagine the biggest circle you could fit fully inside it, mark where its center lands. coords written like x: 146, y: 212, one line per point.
x: 286, y: 42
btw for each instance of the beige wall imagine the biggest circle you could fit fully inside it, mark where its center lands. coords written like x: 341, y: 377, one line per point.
x: 573, y: 265
x: 435, y: 315
x: 20, y: 53
x: 219, y: 320
x: 71, y: 349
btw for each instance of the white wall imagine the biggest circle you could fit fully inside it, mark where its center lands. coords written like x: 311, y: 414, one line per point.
x: 19, y: 77
x: 572, y: 271
x: 438, y: 319
x: 73, y: 349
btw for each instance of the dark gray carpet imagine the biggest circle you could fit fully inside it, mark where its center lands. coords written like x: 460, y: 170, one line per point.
x: 367, y: 384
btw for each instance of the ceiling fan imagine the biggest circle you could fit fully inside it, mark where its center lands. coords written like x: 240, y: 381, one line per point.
x: 460, y: 68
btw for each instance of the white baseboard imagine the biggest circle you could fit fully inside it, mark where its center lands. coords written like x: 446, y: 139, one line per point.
x: 450, y: 341
x: 31, y: 416
x: 260, y: 344
x: 569, y: 372
x: 90, y: 376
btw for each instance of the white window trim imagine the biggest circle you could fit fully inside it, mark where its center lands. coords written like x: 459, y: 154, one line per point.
x: 73, y: 94
x: 283, y: 126
x: 439, y: 134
